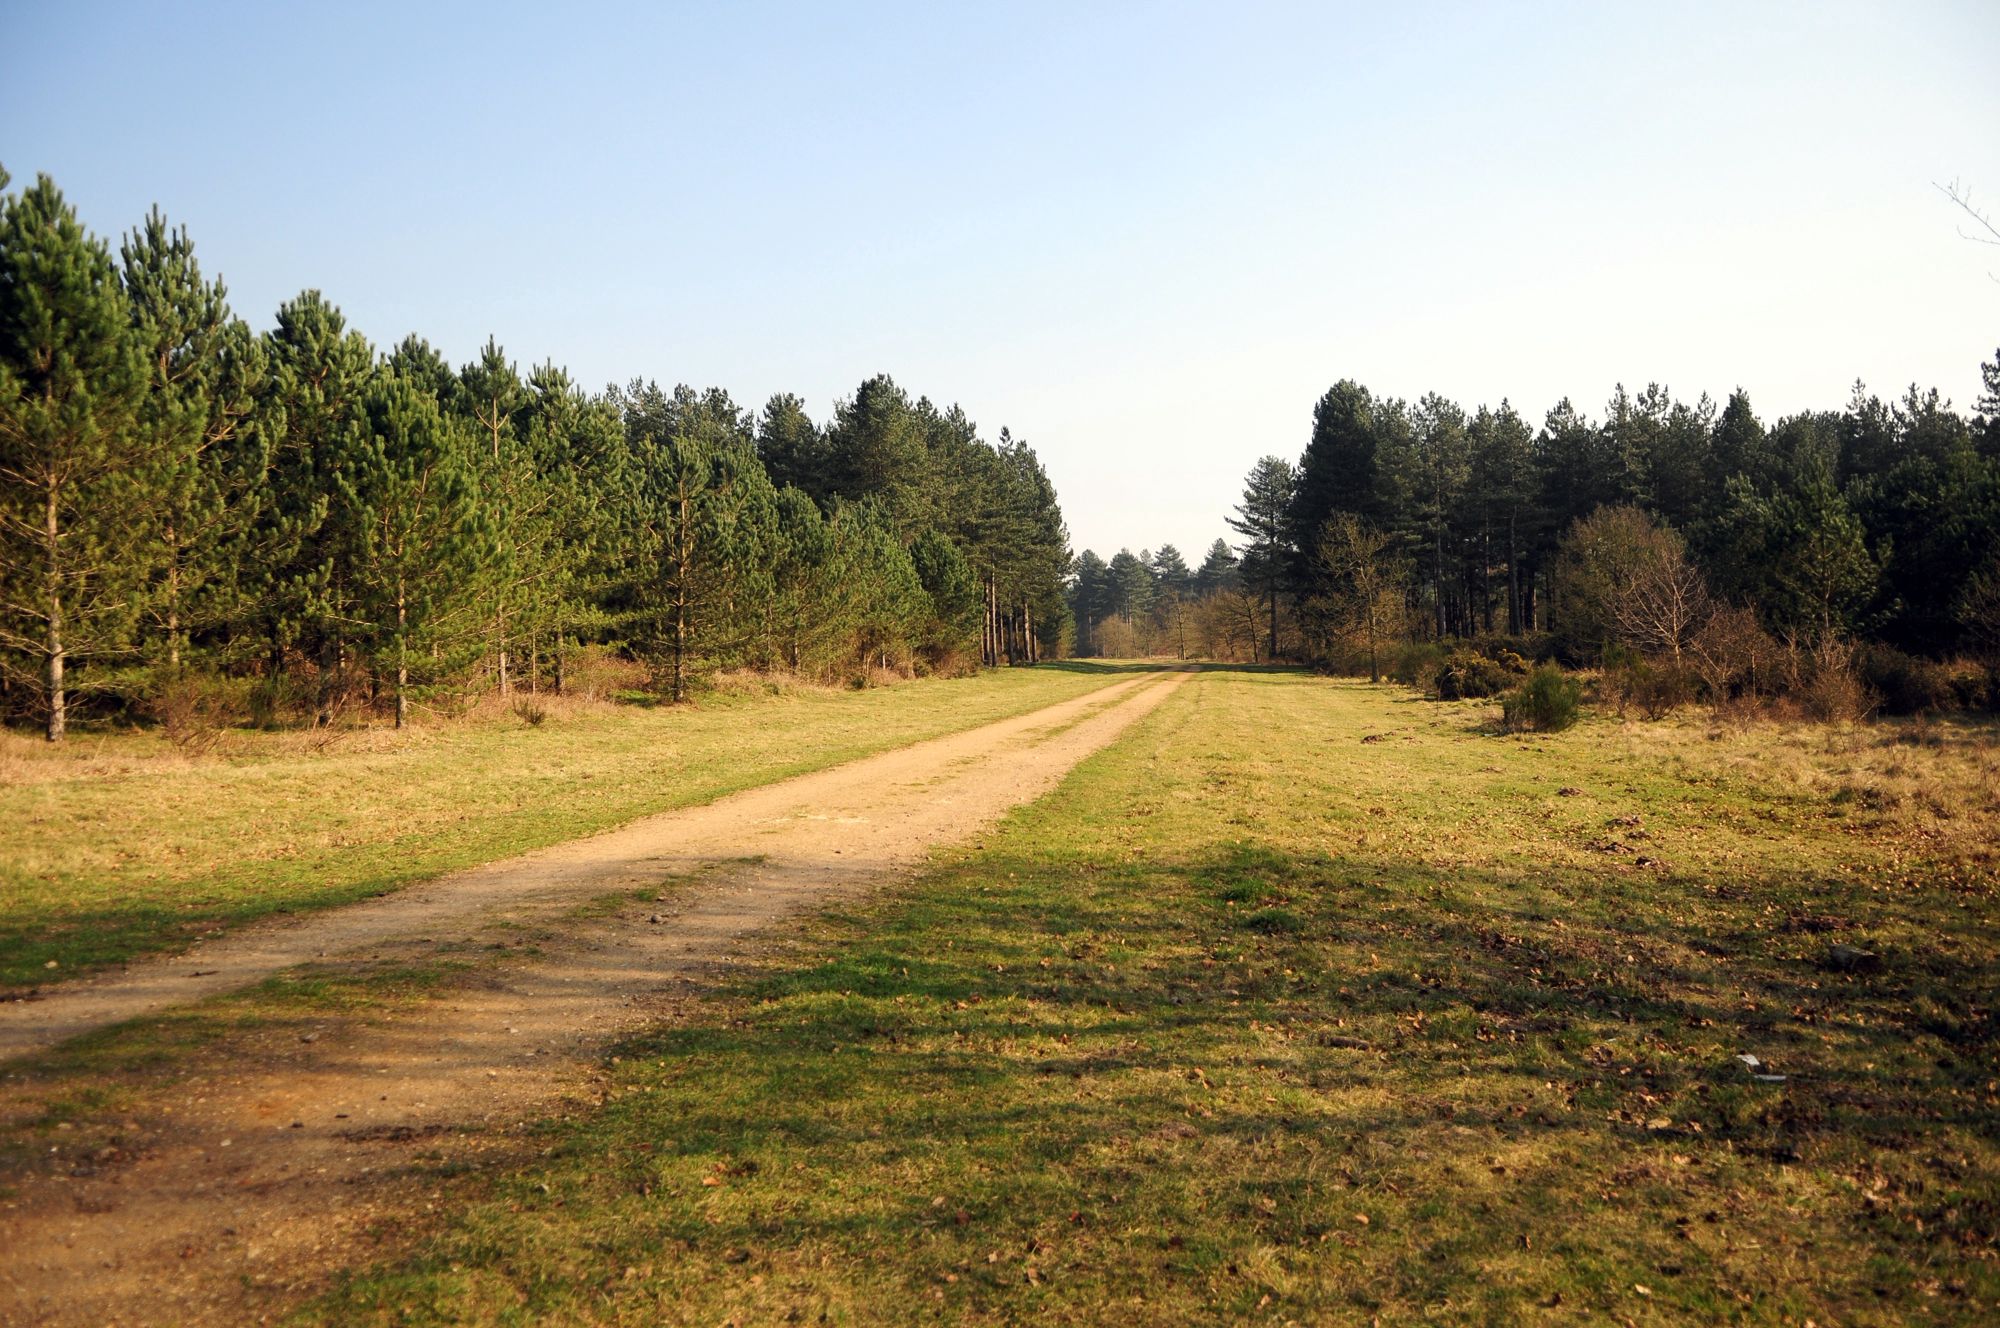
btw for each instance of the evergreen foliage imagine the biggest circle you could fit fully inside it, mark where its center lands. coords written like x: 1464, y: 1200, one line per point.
x: 345, y: 528
x: 77, y: 469
x: 1877, y: 522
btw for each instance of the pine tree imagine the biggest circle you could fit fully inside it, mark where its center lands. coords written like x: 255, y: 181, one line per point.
x: 886, y: 600
x: 803, y: 632
x: 792, y: 447
x: 1502, y: 483
x: 408, y: 500
x: 315, y: 393
x: 1439, y: 467
x: 1131, y: 585
x: 76, y: 471
x: 1217, y: 571
x: 1263, y: 518
x: 1089, y: 599
x: 1339, y: 471
x: 953, y: 623
x: 876, y: 450
x: 1738, y: 445
x: 522, y: 506
x: 201, y: 419
x: 575, y: 447
x: 707, y: 530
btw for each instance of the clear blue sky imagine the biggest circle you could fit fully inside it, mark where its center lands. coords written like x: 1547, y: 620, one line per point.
x: 1144, y: 236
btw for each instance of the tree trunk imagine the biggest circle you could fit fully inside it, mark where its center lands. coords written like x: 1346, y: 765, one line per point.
x: 173, y: 603
x: 680, y: 649
x: 1437, y: 580
x: 559, y: 666
x: 683, y: 569
x: 1514, y: 624
x: 1374, y: 666
x: 402, y: 655
x: 1486, y: 575
x: 52, y: 533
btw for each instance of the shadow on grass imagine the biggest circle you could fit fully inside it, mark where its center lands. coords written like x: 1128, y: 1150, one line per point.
x: 1151, y: 1071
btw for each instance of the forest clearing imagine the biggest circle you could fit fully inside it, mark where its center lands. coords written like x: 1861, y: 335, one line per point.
x: 1282, y: 664
x: 1302, y: 999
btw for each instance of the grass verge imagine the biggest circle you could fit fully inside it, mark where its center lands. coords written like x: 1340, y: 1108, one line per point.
x: 121, y: 846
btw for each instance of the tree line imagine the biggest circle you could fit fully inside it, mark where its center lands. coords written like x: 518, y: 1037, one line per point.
x: 182, y: 497
x: 1152, y: 603
x: 1424, y: 520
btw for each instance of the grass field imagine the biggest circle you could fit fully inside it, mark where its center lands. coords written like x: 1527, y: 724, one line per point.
x: 117, y: 845
x: 1308, y: 1002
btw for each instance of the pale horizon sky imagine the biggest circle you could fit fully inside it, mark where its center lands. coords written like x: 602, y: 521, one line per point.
x: 1145, y: 237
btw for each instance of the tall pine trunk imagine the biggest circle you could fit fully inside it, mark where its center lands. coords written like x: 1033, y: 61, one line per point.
x: 1514, y: 625
x: 1437, y: 581
x: 52, y: 535
x: 402, y: 653
x: 1486, y: 575
x: 173, y: 601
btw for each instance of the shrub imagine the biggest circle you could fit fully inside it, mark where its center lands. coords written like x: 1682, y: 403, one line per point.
x: 1975, y: 687
x: 1906, y: 684
x: 1467, y: 675
x: 1547, y: 702
x: 1733, y: 656
x: 1656, y: 687
x: 595, y: 673
x: 278, y: 700
x: 1830, y: 687
x: 193, y: 710
x: 1416, y: 663
x: 531, y: 711
x: 1659, y: 688
x: 1529, y: 650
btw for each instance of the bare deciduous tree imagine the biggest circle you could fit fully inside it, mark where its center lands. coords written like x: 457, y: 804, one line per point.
x: 1354, y: 559
x: 1622, y: 577
x: 1664, y: 600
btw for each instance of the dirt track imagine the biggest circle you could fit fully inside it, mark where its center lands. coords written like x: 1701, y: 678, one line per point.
x: 234, y: 1201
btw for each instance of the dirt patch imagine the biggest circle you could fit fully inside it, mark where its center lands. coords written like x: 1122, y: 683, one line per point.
x: 297, y: 1158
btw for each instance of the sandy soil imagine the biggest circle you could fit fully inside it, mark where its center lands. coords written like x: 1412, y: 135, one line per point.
x: 290, y: 1155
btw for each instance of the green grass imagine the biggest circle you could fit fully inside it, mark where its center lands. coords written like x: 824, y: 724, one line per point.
x: 118, y: 846
x: 1308, y: 1003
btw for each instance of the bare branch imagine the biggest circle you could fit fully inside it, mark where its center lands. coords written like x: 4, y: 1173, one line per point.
x: 1962, y: 198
